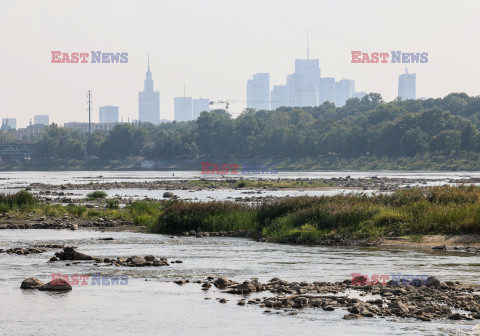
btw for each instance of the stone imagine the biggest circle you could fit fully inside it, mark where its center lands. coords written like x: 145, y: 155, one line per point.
x: 221, y: 282
x: 246, y: 287
x: 69, y: 253
x: 399, y: 306
x: 56, y: 285
x: 138, y: 261
x: 456, y: 316
x: 432, y: 282
x: 352, y: 317
x: 149, y: 258
x: 31, y: 283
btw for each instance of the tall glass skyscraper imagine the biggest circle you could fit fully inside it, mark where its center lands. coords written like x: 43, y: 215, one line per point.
x: 407, y: 86
x: 258, y: 92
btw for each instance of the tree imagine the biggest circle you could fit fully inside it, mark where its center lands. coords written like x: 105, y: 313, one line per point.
x: 446, y: 142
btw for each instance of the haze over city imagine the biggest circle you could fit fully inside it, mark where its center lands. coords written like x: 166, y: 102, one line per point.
x: 214, y: 47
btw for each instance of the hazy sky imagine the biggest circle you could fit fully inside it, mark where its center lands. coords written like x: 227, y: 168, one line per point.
x: 214, y: 46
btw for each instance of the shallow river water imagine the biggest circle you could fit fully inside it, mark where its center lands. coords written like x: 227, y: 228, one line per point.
x: 151, y: 304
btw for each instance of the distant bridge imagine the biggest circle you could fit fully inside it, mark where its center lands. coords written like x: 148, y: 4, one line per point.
x: 14, y: 149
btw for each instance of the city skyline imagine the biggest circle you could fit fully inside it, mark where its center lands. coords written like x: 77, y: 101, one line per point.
x: 219, y: 70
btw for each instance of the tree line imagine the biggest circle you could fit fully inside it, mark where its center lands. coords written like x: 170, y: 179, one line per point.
x: 367, y: 126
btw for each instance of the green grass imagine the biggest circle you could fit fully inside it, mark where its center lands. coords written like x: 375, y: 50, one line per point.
x: 411, y: 212
x: 263, y: 183
x: 308, y: 220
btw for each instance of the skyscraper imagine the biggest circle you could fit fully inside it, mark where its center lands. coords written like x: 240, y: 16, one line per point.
x: 407, y: 86
x: 200, y: 105
x: 344, y: 90
x: 41, y: 119
x: 308, y: 72
x: 359, y: 94
x: 326, y: 91
x: 108, y: 114
x: 279, y: 96
x: 258, y: 92
x: 149, y: 101
x: 183, y: 108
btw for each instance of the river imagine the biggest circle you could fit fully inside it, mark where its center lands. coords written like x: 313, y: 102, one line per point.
x: 158, y: 305
x: 152, y: 304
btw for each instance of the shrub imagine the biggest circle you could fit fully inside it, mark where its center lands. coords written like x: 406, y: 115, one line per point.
x: 97, y: 194
x: 76, y: 210
x: 112, y: 204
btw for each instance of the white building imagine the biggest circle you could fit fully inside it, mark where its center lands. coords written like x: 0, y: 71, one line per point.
x: 359, y: 94
x: 407, y: 86
x: 327, y: 90
x: 200, y: 105
x: 108, y: 114
x: 183, y: 108
x: 344, y: 90
x: 83, y: 126
x: 41, y: 119
x: 258, y: 92
x: 149, y: 101
x: 280, y: 96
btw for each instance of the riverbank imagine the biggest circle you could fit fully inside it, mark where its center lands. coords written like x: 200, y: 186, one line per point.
x: 456, y: 162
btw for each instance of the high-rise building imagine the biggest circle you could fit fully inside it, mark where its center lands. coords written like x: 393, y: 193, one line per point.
x: 359, y: 94
x: 326, y: 91
x: 407, y: 86
x: 258, y: 92
x: 149, y: 101
x: 108, y: 114
x: 200, y: 105
x: 41, y: 119
x: 183, y: 108
x: 344, y: 90
x: 309, y: 72
x: 280, y: 96
x: 9, y: 123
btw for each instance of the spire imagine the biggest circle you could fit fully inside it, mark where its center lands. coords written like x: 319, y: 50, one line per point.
x: 406, y: 70
x: 184, y: 89
x: 308, y: 47
x: 148, y: 61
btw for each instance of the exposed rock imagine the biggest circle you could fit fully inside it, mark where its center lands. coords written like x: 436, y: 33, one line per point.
x: 31, y: 283
x: 222, y: 282
x: 137, y: 261
x: 56, y: 285
x: 69, y: 253
x: 352, y: 317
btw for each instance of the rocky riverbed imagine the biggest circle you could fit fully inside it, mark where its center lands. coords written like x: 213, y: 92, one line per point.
x: 364, y: 183
x: 424, y: 300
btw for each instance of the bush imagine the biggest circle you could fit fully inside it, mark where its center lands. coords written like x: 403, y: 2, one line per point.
x: 76, y: 210
x: 112, y: 204
x: 21, y: 199
x: 97, y: 194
